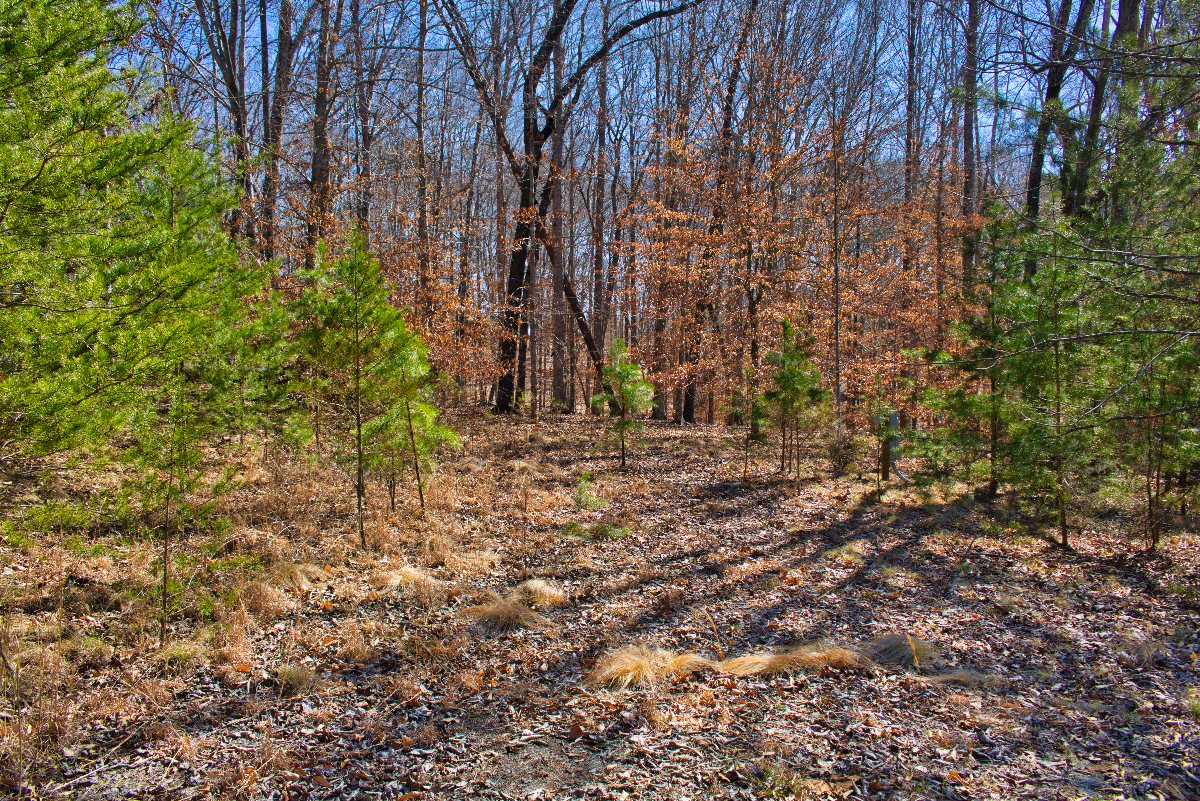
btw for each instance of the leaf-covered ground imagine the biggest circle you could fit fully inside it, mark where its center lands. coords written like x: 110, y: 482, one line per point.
x: 1056, y: 674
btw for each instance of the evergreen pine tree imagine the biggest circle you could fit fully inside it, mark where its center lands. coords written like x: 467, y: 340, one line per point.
x: 367, y: 370
x: 628, y: 396
x: 796, y: 388
x: 117, y: 274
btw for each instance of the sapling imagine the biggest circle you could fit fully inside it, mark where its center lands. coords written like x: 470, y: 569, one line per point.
x: 627, y: 394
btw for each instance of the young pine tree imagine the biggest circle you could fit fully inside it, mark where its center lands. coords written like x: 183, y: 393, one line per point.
x: 628, y: 394
x: 796, y: 388
x: 116, y: 268
x: 123, y: 300
x: 367, y: 369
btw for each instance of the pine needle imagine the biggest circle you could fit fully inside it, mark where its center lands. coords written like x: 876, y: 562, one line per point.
x: 813, y: 656
x: 900, y: 648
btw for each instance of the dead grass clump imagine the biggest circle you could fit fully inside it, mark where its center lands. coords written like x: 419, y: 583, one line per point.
x: 230, y: 653
x: 355, y: 644
x: 638, y: 665
x: 41, y: 672
x: 473, y: 561
x: 182, y: 655
x: 851, y: 553
x: 86, y: 652
x: 295, y: 679
x: 414, y: 583
x: 539, y: 594
x: 296, y: 578
x: 687, y: 664
x: 899, y: 648
x: 632, y: 666
x: 263, y: 601
x: 813, y: 656
x: 499, y: 616
x: 437, y: 550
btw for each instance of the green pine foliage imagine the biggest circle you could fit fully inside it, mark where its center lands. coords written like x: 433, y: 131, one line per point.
x: 119, y: 284
x: 1082, y: 362
x: 795, y: 393
x: 628, y: 394
x: 124, y: 307
x: 366, y: 375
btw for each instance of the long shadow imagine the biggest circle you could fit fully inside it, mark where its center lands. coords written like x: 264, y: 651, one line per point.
x: 989, y: 565
x: 721, y: 588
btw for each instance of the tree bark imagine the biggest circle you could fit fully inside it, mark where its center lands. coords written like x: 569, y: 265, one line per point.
x: 319, y: 181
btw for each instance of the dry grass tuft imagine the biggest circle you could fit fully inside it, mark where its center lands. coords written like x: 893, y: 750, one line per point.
x: 632, y: 666
x: 182, y: 655
x: 749, y: 665
x: 500, y: 616
x: 965, y: 678
x: 437, y: 550
x: 86, y: 652
x: 295, y: 679
x: 899, y: 648
x: 473, y: 561
x: 263, y: 601
x: 296, y: 578
x: 688, y: 664
x: 231, y: 655
x: 539, y: 594
x: 638, y: 665
x: 414, y: 583
x: 355, y: 646
x: 815, y: 656
x: 848, y: 554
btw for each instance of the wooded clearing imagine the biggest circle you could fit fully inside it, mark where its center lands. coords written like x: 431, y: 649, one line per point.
x: 331, y: 672
x: 647, y: 399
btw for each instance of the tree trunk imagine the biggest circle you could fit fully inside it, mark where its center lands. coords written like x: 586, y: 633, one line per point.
x: 1063, y: 46
x: 912, y: 132
x: 970, y: 237
x: 319, y: 181
x: 424, y: 293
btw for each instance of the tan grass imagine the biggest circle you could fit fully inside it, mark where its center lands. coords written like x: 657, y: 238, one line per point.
x: 749, y: 665
x: 900, y: 648
x: 437, y: 550
x: 499, y: 616
x: 850, y: 553
x: 355, y: 648
x: 813, y: 656
x: 263, y: 601
x: 687, y: 664
x: 472, y: 561
x: 414, y: 583
x: 539, y: 594
x: 964, y: 678
x: 632, y: 666
x: 231, y: 655
x: 182, y: 655
x: 295, y: 679
x: 640, y: 665
x: 86, y: 652
x: 297, y: 578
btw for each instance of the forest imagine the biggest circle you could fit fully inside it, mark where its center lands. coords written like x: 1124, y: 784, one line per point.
x: 616, y: 399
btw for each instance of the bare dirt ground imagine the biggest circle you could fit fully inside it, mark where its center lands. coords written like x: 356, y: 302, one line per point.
x: 339, y: 674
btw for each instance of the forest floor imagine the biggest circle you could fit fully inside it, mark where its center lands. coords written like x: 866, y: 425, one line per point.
x: 308, y: 668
